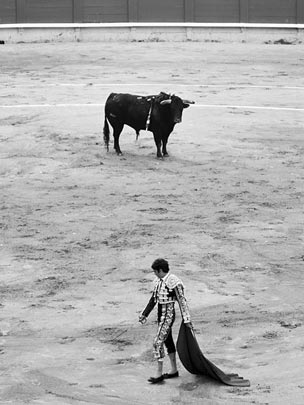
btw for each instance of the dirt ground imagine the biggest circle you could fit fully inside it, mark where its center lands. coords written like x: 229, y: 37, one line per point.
x: 80, y: 227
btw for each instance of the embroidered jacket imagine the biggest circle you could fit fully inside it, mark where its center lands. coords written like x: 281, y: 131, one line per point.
x: 166, y: 290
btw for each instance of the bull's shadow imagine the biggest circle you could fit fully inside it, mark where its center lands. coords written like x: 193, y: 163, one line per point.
x: 139, y: 156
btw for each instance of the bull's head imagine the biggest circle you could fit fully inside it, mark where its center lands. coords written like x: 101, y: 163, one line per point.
x: 176, y: 107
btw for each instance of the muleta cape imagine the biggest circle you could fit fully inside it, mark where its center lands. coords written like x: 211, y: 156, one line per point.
x: 195, y: 362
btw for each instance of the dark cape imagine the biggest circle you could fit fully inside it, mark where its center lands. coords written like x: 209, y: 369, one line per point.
x: 196, y: 363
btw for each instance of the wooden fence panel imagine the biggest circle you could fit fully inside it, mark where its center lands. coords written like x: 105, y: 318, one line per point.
x: 7, y: 11
x: 47, y: 11
x: 272, y: 11
x: 300, y: 11
x: 161, y: 11
x: 217, y: 11
x: 95, y: 11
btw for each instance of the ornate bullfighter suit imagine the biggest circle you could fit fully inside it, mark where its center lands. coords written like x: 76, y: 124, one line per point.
x: 166, y: 292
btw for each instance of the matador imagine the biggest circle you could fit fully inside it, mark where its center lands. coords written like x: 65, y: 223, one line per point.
x: 167, y: 289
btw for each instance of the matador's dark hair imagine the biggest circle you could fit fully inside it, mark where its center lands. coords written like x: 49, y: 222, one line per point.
x: 160, y: 264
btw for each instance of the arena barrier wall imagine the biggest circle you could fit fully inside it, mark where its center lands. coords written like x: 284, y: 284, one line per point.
x: 152, y: 32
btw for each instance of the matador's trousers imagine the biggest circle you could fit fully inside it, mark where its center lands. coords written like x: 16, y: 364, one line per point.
x: 166, y: 317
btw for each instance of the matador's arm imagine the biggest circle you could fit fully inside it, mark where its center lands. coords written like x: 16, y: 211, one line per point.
x: 179, y: 291
x: 149, y: 307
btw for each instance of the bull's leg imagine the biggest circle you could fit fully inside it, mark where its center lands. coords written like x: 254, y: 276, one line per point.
x: 158, y: 141
x: 164, y: 148
x: 116, y: 133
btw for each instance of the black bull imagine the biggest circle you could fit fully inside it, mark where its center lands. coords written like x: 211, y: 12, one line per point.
x: 157, y: 113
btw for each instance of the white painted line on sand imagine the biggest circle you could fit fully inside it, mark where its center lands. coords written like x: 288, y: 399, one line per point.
x: 51, y: 105
x: 247, y: 107
x: 68, y: 105
x: 227, y: 85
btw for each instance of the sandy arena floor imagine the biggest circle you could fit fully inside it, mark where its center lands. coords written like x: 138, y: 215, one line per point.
x: 80, y: 227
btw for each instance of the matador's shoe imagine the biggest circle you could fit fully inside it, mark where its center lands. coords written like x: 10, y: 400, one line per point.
x: 156, y: 380
x: 174, y: 375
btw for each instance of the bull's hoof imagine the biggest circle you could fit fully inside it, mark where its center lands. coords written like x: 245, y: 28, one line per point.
x: 166, y: 154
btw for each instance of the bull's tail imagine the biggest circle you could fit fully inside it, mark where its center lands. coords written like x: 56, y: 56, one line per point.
x: 106, y: 133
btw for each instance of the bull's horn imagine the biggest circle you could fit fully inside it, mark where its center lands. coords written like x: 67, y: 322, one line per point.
x: 188, y: 102
x: 166, y: 102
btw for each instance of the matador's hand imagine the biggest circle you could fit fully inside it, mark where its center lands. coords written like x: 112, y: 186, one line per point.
x: 142, y: 319
x: 189, y: 325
